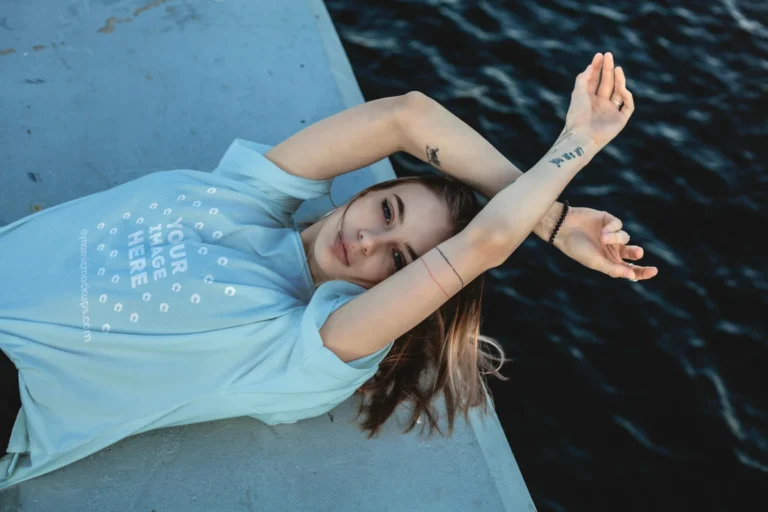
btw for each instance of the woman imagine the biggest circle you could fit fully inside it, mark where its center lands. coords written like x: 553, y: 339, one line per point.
x: 240, y: 314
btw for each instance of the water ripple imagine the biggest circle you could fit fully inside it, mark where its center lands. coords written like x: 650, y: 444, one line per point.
x: 747, y: 461
x: 751, y: 26
x: 607, y: 12
x: 726, y: 409
x: 640, y: 436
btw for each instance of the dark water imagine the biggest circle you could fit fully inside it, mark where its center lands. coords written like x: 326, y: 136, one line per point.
x: 623, y: 396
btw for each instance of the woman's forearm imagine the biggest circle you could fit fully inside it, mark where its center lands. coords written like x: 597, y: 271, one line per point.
x: 434, y: 135
x: 512, y: 213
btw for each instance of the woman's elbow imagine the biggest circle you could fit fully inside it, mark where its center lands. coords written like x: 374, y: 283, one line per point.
x: 494, y: 246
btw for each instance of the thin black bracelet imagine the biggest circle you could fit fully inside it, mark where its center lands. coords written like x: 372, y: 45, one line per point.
x: 562, y: 216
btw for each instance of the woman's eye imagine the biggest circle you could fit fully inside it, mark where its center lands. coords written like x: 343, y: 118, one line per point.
x: 399, y: 264
x: 398, y: 261
x: 387, y: 212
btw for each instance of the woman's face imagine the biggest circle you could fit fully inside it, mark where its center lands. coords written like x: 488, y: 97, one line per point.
x: 380, y: 235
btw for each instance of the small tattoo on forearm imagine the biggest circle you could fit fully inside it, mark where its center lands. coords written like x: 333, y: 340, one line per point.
x: 432, y: 156
x: 565, y: 135
x: 568, y: 155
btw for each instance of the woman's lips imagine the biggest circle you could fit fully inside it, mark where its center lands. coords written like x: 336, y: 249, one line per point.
x: 341, y: 250
x: 344, y: 247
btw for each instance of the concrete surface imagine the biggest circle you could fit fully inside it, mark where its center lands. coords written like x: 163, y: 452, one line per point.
x: 99, y: 92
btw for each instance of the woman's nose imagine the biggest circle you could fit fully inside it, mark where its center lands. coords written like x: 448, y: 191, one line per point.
x: 370, y: 240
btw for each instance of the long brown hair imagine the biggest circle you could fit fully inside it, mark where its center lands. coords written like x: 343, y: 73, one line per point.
x: 444, y: 353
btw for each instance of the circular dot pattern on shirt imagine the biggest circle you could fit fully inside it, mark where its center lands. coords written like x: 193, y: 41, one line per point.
x: 176, y: 287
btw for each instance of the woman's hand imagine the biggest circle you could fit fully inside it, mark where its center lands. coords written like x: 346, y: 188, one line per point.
x: 595, y: 239
x: 601, y: 105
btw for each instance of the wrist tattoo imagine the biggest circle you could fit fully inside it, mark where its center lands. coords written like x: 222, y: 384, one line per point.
x: 568, y: 155
x: 432, y: 156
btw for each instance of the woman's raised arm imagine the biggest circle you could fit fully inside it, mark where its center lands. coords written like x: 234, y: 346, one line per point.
x: 373, y: 319
x: 396, y: 305
x: 366, y: 133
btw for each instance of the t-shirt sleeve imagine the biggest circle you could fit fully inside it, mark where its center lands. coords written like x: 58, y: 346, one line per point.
x: 320, y: 381
x: 329, y: 297
x: 283, y: 193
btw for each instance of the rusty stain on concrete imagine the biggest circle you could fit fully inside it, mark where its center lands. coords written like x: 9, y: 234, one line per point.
x: 109, y: 26
x: 37, y: 207
x: 150, y: 5
x: 38, y: 47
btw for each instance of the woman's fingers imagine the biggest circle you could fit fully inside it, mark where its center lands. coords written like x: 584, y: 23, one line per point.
x: 620, y: 81
x: 642, y: 272
x: 628, y: 270
x: 631, y: 252
x: 594, y: 80
x: 621, y: 90
x: 582, y: 79
x: 613, y: 223
x: 607, y: 77
x: 618, y: 237
x: 618, y: 270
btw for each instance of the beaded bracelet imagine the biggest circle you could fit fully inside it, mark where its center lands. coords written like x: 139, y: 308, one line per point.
x: 562, y: 216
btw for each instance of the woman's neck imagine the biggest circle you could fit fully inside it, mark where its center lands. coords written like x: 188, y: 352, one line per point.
x: 308, y: 240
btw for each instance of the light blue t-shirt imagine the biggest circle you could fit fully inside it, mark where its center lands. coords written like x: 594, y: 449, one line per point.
x: 179, y: 297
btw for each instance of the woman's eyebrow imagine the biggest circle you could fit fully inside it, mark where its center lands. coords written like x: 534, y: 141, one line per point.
x: 401, y: 216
